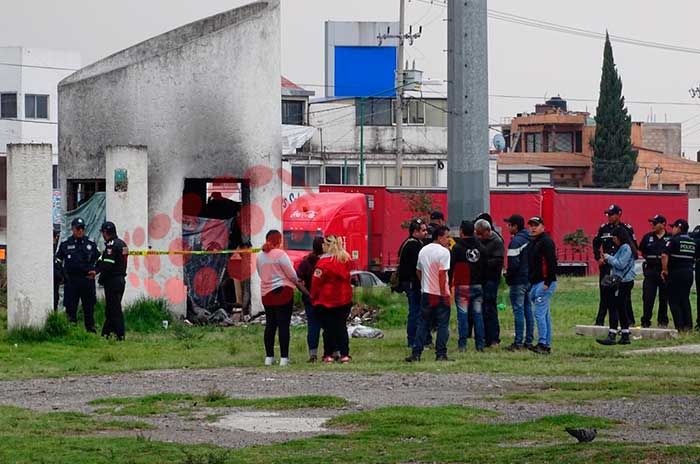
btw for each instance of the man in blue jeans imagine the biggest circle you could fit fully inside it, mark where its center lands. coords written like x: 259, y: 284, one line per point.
x: 408, y: 260
x: 467, y: 274
x: 542, y: 264
x: 432, y: 269
x: 518, y: 281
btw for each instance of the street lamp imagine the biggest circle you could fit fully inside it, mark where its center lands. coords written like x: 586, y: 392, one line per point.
x: 658, y: 170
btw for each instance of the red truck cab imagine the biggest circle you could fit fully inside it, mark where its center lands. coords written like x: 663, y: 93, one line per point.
x: 324, y: 214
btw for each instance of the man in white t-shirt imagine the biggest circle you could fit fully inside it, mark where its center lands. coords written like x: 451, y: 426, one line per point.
x: 433, y: 264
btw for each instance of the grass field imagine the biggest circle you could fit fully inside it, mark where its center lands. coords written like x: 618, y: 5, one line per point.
x: 395, y: 434
x: 79, y: 353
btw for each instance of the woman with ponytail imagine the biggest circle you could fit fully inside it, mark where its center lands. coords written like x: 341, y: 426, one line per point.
x: 277, y: 282
x: 331, y: 294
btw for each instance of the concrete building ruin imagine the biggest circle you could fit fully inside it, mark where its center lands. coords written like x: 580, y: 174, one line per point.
x: 201, y: 104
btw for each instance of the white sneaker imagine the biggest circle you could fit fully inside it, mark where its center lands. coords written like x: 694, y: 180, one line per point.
x: 284, y: 361
x: 269, y: 361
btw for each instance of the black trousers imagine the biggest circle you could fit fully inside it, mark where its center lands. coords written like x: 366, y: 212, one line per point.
x: 80, y: 289
x: 277, y: 320
x: 56, y: 289
x: 335, y: 330
x: 697, y: 289
x: 607, y: 297
x: 619, y: 310
x: 114, y: 317
x: 653, y: 283
x: 679, y: 283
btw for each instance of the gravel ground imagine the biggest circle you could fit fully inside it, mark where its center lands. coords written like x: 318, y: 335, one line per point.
x: 663, y: 419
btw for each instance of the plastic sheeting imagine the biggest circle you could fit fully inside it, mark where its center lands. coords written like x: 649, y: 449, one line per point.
x: 204, y: 274
x: 294, y: 137
x: 93, y: 213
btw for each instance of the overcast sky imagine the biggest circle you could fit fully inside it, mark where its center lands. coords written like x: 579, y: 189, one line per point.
x: 522, y: 61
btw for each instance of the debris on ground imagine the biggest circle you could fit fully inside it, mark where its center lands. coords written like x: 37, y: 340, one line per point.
x: 582, y: 435
x: 365, y: 312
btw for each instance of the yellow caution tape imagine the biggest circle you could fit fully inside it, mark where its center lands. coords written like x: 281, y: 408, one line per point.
x: 190, y: 252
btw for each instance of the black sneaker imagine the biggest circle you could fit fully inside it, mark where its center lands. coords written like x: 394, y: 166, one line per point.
x: 528, y: 346
x: 443, y: 359
x: 541, y: 349
x: 480, y: 350
x: 664, y: 326
x: 412, y: 359
x: 624, y: 338
x: 515, y: 347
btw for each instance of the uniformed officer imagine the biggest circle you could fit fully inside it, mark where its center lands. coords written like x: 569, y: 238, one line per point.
x: 603, y: 240
x: 695, y: 235
x: 112, y: 268
x: 677, y: 269
x: 78, y: 256
x: 652, y: 246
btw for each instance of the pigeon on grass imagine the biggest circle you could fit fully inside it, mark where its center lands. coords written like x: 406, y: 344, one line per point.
x: 582, y: 435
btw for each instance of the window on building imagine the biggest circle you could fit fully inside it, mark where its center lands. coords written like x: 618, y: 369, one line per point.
x: 54, y: 172
x: 375, y: 175
x: 667, y: 187
x: 352, y: 176
x: 306, y: 176
x: 541, y: 178
x: 293, y: 112
x: 334, y: 175
x: 579, y: 142
x: 8, y: 105
x: 563, y: 142
x: 414, y: 112
x: 502, y: 179
x: 36, y: 106
x: 524, y: 178
x: 374, y: 111
x: 693, y: 191
x: 533, y: 143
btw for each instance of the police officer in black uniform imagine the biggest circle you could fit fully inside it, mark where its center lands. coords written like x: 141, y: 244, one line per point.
x: 677, y: 269
x: 695, y: 235
x: 112, y: 268
x: 604, y: 240
x: 652, y: 246
x: 78, y: 256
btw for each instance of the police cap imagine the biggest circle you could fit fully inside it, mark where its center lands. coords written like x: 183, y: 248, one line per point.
x: 108, y: 227
x: 78, y: 222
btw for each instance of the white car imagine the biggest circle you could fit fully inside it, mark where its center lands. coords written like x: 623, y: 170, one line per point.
x: 365, y: 279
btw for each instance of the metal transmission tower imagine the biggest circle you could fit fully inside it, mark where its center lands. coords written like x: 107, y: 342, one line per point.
x: 468, y: 121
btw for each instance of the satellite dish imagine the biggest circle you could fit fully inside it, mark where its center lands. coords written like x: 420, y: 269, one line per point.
x: 499, y: 142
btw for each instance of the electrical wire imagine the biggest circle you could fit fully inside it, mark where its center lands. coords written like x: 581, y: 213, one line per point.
x: 36, y: 66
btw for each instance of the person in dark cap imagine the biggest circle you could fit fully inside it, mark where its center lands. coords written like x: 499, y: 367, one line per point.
x: 677, y: 269
x: 78, y: 257
x: 651, y: 247
x: 517, y: 280
x: 112, y: 269
x: 603, y: 245
x: 57, y: 268
x: 437, y: 219
x: 542, y: 268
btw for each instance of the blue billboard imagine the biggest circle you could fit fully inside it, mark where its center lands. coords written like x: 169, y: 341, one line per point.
x: 365, y: 71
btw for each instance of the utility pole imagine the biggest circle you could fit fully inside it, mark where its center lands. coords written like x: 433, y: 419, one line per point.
x: 400, y: 83
x: 398, y: 108
x: 468, y: 121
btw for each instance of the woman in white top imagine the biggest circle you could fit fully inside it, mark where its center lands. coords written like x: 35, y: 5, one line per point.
x: 277, y: 282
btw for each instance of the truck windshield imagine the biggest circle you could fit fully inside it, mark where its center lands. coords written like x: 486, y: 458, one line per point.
x: 299, y: 239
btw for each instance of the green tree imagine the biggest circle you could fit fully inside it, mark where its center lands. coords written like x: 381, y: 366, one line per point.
x: 420, y: 205
x: 614, y: 158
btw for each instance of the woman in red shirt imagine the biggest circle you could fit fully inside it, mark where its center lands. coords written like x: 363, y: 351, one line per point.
x: 331, y: 294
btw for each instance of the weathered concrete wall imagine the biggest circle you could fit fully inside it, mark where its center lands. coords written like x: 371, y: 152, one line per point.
x: 29, y: 226
x: 663, y: 137
x: 129, y: 210
x: 204, y: 99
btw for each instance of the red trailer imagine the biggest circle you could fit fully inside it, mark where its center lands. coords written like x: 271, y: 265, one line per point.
x: 563, y: 210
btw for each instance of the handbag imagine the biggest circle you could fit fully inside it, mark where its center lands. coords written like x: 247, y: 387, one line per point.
x: 610, y: 281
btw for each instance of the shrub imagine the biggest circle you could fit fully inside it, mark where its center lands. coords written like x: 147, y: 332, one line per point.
x: 146, y: 315
x: 57, y: 325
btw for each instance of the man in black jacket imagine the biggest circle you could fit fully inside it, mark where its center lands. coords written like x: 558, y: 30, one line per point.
x: 112, y: 268
x: 408, y: 261
x: 495, y: 255
x: 467, y: 273
x: 518, y: 280
x: 542, y: 268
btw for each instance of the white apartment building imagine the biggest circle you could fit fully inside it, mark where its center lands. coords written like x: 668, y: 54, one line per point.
x: 29, y: 104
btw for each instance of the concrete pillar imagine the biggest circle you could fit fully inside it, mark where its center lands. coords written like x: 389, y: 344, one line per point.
x: 29, y: 232
x: 468, y: 122
x: 126, y: 172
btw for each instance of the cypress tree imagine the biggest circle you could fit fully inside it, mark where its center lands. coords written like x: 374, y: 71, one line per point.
x: 614, y: 159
